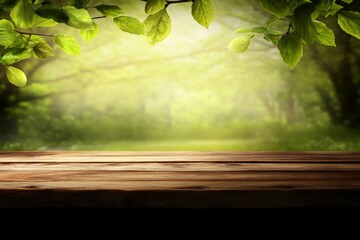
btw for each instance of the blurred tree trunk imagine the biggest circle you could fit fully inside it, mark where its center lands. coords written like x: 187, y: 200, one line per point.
x: 9, y: 97
x: 342, y: 72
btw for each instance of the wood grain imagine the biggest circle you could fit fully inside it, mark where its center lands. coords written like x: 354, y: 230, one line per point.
x: 179, y: 179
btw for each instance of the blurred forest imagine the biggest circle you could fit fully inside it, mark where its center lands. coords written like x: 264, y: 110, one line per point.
x: 187, y: 93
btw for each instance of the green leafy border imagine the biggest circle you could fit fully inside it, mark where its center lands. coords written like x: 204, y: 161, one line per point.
x: 304, y: 27
x: 19, y: 41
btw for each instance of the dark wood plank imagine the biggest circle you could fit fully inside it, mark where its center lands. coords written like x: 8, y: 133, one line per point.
x: 178, y: 199
x: 99, y: 175
x: 179, y: 179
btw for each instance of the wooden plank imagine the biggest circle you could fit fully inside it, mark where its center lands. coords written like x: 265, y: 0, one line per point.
x: 186, y: 167
x: 178, y: 199
x: 183, y: 185
x: 179, y: 179
x: 250, y: 157
x: 96, y: 175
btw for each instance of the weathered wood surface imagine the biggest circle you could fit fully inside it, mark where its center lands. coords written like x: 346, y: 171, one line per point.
x: 179, y: 179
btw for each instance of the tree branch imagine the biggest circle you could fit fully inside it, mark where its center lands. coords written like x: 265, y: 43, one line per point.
x: 173, y: 2
x: 32, y: 33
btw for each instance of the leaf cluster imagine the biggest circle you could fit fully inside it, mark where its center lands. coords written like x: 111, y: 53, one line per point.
x: 304, y: 19
x: 19, y: 41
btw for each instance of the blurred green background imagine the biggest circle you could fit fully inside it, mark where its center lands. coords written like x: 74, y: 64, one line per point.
x: 186, y: 93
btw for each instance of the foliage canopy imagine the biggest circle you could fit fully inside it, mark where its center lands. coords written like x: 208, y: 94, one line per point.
x: 301, y: 22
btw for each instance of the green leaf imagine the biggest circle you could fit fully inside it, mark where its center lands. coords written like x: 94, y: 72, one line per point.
x: 88, y: 35
x: 14, y: 55
x: 23, y: 14
x: 333, y: 10
x: 19, y: 41
x: 240, y: 44
x: 44, y: 22
x: 273, y: 38
x: 279, y: 8
x: 78, y: 18
x: 43, y: 50
x: 16, y: 76
x: 304, y: 23
x: 68, y: 44
x: 157, y: 26
x: 271, y: 21
x: 325, y: 35
x: 203, y: 12
x: 154, y: 6
x: 324, y: 5
x: 274, y: 32
x: 252, y: 30
x: 347, y: 1
x: 38, y: 1
x: 130, y: 25
x: 78, y: 3
x: 328, y: 7
x: 50, y: 11
x: 349, y: 21
x: 7, y: 33
x: 291, y: 48
x: 110, y: 11
x: 35, y: 40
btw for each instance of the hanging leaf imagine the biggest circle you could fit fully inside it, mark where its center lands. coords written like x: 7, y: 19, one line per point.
x: 157, y: 26
x: 130, y: 25
x: 240, y: 44
x: 304, y: 23
x: 7, y: 33
x: 328, y: 7
x: 324, y: 35
x: 273, y: 38
x: 78, y: 18
x: 203, y: 12
x: 23, y: 14
x: 279, y: 8
x: 50, y: 11
x: 43, y: 50
x: 16, y: 76
x: 67, y: 43
x: 291, y: 48
x: 88, y: 35
x: 14, y: 55
x: 110, y: 11
x: 349, y: 21
x: 154, y: 6
x: 44, y: 22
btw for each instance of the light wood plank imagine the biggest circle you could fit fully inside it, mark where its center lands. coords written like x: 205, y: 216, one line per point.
x: 250, y: 157
x: 186, y: 167
x: 179, y: 179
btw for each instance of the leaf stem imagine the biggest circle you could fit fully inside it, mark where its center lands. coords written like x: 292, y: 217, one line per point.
x: 173, y: 2
x: 37, y: 34
x: 180, y: 1
x: 28, y: 40
x: 289, y: 29
x: 100, y: 17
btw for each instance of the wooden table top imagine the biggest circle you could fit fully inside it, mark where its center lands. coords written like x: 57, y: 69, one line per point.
x: 179, y: 179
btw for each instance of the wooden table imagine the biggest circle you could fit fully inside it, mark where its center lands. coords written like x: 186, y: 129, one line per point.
x: 179, y: 179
